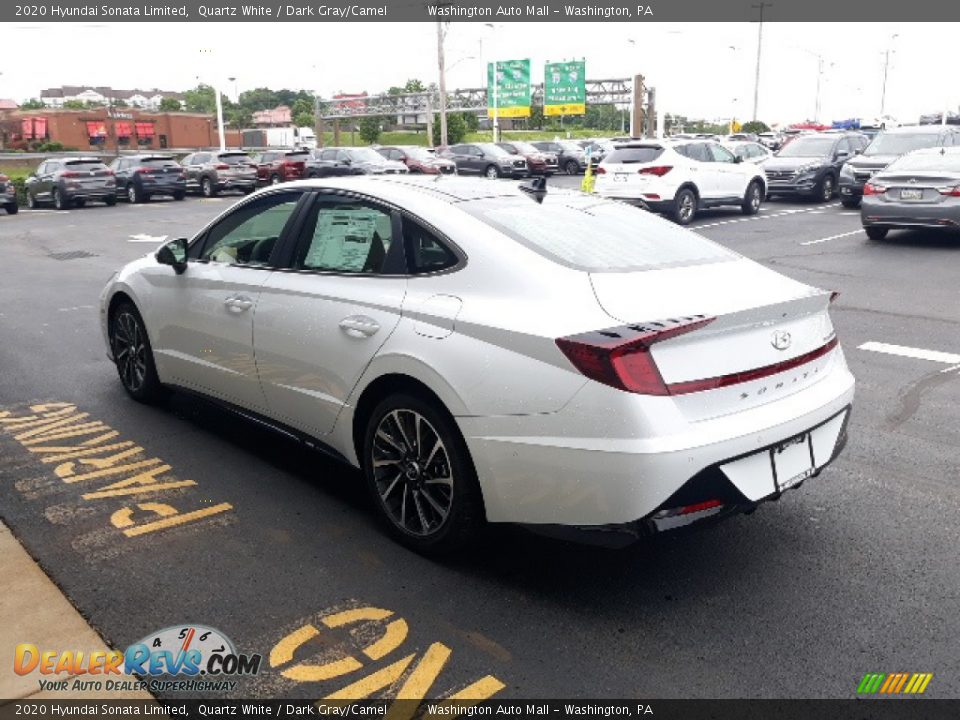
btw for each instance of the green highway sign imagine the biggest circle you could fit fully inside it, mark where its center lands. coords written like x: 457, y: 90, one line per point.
x: 565, y: 88
x: 512, y: 88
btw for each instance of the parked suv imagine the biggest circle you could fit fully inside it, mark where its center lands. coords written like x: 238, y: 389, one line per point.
x: 326, y: 163
x: 570, y: 156
x: 485, y: 159
x: 680, y: 177
x: 140, y: 177
x: 8, y: 195
x: 809, y: 165
x: 365, y: 160
x: 419, y: 159
x: 213, y: 172
x: 884, y: 149
x: 538, y: 161
x: 277, y: 166
x: 71, y: 181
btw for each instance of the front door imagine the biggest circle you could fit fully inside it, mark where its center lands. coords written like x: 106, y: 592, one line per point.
x: 202, y: 321
x: 320, y: 322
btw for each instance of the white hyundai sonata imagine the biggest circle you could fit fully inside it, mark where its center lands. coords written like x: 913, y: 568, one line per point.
x: 491, y: 353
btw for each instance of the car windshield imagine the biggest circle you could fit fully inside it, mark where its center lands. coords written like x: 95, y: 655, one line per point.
x: 900, y: 143
x: 365, y: 155
x: 596, y: 235
x: 811, y: 146
x: 926, y: 162
x: 234, y: 158
x: 494, y: 150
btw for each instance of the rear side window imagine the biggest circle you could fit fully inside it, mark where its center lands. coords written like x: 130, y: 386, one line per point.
x: 425, y: 253
x: 596, y: 235
x: 634, y: 155
x: 348, y: 236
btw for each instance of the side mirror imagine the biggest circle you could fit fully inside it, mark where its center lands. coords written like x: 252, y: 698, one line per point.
x: 858, y: 151
x: 737, y: 159
x: 347, y: 161
x: 174, y: 254
x: 843, y: 155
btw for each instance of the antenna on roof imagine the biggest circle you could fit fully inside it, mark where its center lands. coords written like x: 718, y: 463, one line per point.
x: 535, y: 188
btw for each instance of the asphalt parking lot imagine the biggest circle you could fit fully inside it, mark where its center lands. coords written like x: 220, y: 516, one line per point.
x: 855, y: 572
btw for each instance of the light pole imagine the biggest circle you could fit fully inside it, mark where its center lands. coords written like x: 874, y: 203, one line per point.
x: 496, y: 90
x: 633, y: 94
x: 441, y: 33
x: 756, y: 79
x: 886, y: 69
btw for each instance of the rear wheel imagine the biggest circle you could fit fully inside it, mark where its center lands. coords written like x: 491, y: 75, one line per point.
x: 133, y: 355
x: 876, y: 233
x: 11, y: 208
x: 420, y: 475
x: 572, y: 167
x: 492, y: 172
x: 752, y: 199
x: 59, y: 202
x: 850, y: 203
x: 684, y: 206
x: 274, y: 179
x: 31, y: 201
x: 79, y: 203
x: 179, y: 195
x: 110, y: 200
x: 207, y: 187
x: 134, y: 195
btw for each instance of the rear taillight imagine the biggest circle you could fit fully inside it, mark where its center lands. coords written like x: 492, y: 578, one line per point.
x: 70, y: 173
x: 950, y: 191
x: 144, y: 170
x: 221, y: 166
x: 620, y: 357
x: 871, y: 189
x: 600, y: 171
x: 658, y: 170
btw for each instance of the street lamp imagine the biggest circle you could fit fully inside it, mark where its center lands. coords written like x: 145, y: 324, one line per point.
x: 496, y: 89
x: 819, y: 57
x: 756, y: 79
x: 886, y: 68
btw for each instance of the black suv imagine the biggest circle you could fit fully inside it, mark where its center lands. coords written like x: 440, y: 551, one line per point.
x: 140, y: 177
x: 71, y: 181
x: 884, y: 149
x: 810, y: 164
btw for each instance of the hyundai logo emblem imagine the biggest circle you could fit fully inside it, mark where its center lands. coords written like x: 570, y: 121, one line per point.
x: 780, y: 340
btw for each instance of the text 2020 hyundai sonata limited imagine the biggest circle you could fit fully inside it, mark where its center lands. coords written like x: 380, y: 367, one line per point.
x: 488, y: 354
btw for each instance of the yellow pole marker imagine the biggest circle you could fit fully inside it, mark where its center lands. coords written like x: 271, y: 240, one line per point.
x: 171, y: 517
x: 371, y: 683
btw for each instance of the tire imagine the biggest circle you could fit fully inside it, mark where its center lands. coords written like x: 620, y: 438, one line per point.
x: 876, y: 233
x: 110, y: 200
x: 11, y: 208
x: 128, y: 339
x: 207, y: 188
x: 80, y: 202
x: 32, y: 201
x: 572, y: 167
x: 492, y: 172
x: 59, y: 202
x: 274, y: 179
x: 684, y: 206
x: 825, y: 189
x: 134, y: 195
x: 752, y: 198
x: 248, y: 190
x: 179, y: 195
x: 851, y: 204
x: 451, y: 514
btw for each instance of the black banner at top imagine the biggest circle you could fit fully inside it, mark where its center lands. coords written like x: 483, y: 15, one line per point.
x: 332, y: 11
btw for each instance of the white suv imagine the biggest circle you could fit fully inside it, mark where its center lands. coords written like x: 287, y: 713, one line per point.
x: 680, y: 177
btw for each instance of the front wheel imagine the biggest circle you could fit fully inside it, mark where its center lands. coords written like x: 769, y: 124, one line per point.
x: 59, y: 202
x: 752, y: 199
x: 492, y: 172
x: 207, y: 188
x: 274, y: 179
x: 876, y: 233
x: 134, y: 195
x: 825, y: 189
x: 11, y: 208
x: 572, y: 167
x: 133, y: 355
x: 179, y: 195
x: 110, y: 200
x: 420, y: 475
x: 852, y: 204
x: 32, y: 201
x: 684, y: 206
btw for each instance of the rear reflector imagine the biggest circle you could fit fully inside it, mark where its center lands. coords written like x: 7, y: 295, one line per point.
x: 692, y: 386
x: 620, y: 357
x: 689, y: 509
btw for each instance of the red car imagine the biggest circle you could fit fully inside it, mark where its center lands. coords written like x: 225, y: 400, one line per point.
x: 539, y: 162
x: 419, y: 159
x: 277, y: 166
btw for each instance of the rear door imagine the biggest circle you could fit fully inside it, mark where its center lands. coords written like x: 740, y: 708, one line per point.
x: 703, y: 171
x: 731, y: 176
x: 320, y: 322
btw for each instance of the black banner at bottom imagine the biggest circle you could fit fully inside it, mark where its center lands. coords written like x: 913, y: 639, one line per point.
x: 860, y: 709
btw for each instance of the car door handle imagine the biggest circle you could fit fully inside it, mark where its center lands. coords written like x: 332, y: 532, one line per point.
x: 238, y: 303
x: 359, y: 326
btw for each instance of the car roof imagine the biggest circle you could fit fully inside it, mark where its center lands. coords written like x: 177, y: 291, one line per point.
x: 83, y: 158
x: 919, y: 129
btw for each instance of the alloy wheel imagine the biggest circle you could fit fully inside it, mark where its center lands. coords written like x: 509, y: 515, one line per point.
x: 132, y: 194
x: 686, y: 207
x: 412, y: 472
x: 130, y: 351
x: 755, y: 198
x: 827, y: 188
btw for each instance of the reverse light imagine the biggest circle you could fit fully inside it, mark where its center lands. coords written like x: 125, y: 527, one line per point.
x: 620, y: 357
x: 658, y: 170
x: 872, y: 189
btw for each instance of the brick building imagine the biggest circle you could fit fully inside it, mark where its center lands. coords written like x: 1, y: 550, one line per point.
x: 106, y: 129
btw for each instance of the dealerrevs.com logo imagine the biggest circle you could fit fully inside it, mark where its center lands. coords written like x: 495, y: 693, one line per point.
x: 202, y: 656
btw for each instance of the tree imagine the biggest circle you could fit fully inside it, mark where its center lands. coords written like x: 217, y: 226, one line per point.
x: 370, y: 129
x: 303, y: 106
x: 471, y: 121
x: 32, y: 104
x: 201, y: 99
x: 169, y: 104
x: 74, y: 105
x: 754, y: 126
x: 239, y: 117
x: 456, y: 129
x: 414, y: 86
x: 303, y: 119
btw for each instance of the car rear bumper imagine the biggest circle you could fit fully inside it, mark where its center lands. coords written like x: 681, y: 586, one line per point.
x: 161, y: 188
x: 228, y: 183
x: 905, y: 215
x: 92, y: 194
x: 8, y: 198
x: 541, y: 470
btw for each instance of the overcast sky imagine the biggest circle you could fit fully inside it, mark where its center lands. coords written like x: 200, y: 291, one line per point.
x: 699, y: 69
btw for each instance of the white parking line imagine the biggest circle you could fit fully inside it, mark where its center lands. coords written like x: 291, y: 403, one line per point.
x: 833, y: 237
x: 144, y: 238
x: 783, y: 213
x: 912, y: 352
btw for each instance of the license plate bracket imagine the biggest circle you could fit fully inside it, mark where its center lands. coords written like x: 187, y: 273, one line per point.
x: 792, y: 461
x: 911, y: 194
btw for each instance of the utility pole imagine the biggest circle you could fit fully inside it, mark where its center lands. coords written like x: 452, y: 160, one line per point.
x: 886, y: 69
x: 441, y: 31
x: 756, y: 80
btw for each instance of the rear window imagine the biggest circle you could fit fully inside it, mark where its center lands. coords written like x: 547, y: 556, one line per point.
x: 80, y: 165
x: 634, y: 155
x: 158, y: 162
x: 900, y: 143
x: 235, y: 159
x: 596, y: 235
